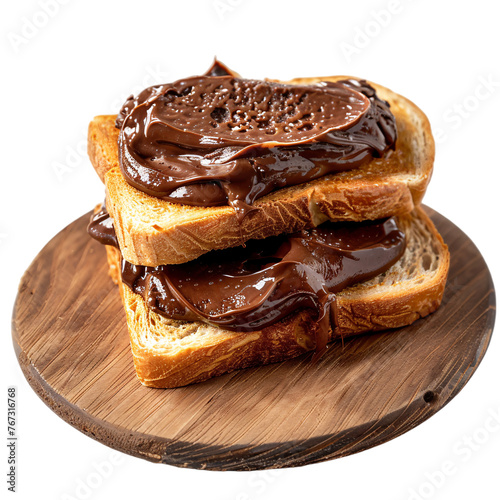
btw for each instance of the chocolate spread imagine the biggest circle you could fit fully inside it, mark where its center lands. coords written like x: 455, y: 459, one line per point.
x: 249, y: 288
x: 101, y: 228
x: 216, y: 139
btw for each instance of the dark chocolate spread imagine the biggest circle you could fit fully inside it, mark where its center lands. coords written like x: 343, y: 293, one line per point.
x: 216, y: 139
x: 247, y: 289
x: 101, y: 228
x: 217, y: 69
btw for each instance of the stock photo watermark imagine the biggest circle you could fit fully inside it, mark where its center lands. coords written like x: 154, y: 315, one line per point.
x: 224, y: 7
x: 258, y: 483
x: 454, y: 287
x: 86, y: 485
x: 463, y: 450
x: 152, y: 76
x: 12, y: 439
x: 367, y: 32
x: 76, y: 154
x: 33, y: 24
x: 455, y: 115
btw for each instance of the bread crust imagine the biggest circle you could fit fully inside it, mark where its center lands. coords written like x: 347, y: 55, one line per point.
x: 152, y: 231
x: 169, y: 353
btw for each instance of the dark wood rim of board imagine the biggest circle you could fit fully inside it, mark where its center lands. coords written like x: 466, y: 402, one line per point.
x: 273, y: 454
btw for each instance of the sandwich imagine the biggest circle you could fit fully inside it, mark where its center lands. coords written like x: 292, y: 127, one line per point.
x: 247, y: 222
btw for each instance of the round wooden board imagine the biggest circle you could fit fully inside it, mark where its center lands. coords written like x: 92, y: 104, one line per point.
x: 71, y: 340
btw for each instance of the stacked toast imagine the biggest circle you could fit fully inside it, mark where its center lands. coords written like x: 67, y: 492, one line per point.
x: 148, y: 233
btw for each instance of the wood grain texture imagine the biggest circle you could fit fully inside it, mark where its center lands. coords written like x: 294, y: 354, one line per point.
x: 71, y: 340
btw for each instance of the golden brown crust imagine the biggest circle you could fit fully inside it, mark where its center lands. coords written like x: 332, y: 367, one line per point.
x: 154, y: 232
x: 414, y: 290
x: 169, y: 353
x: 102, y: 145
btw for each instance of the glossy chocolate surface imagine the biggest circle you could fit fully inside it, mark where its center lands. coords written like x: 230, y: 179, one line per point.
x: 249, y: 288
x: 216, y: 139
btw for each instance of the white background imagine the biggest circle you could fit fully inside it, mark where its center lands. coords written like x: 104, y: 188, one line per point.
x: 84, y: 58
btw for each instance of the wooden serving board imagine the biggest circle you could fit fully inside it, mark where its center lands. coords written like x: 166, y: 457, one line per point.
x: 71, y: 340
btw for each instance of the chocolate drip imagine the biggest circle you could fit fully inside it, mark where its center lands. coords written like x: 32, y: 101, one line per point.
x: 101, y: 228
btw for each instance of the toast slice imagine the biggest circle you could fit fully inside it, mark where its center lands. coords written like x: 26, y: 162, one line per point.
x: 152, y: 231
x: 170, y: 353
